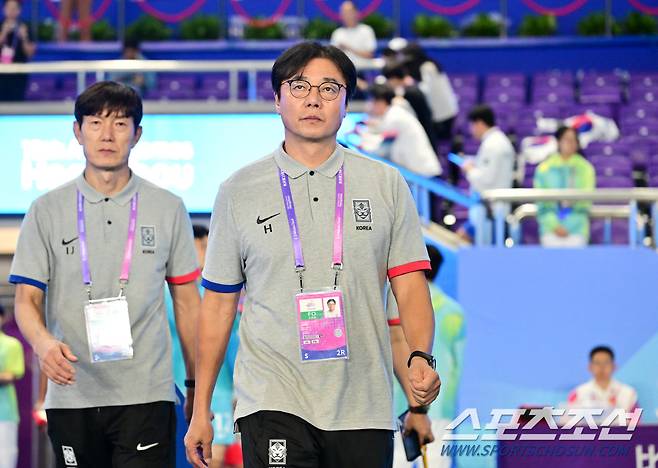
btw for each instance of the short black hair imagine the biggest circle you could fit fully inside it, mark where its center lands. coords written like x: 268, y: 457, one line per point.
x: 395, y: 70
x: 2, y: 309
x: 483, y: 113
x: 109, y: 97
x: 292, y: 61
x: 200, y: 231
x: 602, y: 349
x: 564, y: 129
x: 331, y: 300
x: 381, y: 92
x: 436, y: 260
x: 131, y: 43
x: 20, y: 3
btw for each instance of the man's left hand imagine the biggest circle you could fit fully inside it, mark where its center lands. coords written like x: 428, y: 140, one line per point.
x: 425, y: 381
x: 188, y: 406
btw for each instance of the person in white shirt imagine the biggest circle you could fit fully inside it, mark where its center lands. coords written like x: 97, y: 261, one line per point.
x: 435, y: 84
x: 491, y: 168
x: 356, y: 39
x: 410, y: 147
x: 603, y: 392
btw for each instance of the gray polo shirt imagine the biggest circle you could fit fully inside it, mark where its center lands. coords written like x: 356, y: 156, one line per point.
x: 250, y: 243
x: 48, y: 257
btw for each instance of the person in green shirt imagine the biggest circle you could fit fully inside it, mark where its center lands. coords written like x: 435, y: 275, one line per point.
x: 12, y: 368
x: 449, y: 338
x: 565, y: 224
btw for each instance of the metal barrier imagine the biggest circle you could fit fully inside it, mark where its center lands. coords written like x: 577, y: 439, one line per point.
x: 102, y: 67
x: 630, y: 196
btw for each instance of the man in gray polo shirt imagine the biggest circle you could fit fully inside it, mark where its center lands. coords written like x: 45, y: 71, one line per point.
x: 310, y: 223
x: 99, y: 249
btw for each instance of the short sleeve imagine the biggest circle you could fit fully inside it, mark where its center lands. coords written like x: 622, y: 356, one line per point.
x: 407, y: 251
x: 223, y: 270
x: 370, y: 40
x: 31, y: 261
x: 182, y: 266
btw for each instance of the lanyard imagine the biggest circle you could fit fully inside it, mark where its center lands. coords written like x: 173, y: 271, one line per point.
x: 84, y: 251
x: 337, y: 258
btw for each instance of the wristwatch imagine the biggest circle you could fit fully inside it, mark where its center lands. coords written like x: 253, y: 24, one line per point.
x: 189, y: 383
x: 428, y: 357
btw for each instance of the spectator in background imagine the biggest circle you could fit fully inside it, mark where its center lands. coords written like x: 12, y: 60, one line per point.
x: 17, y: 47
x: 410, y: 147
x: 140, y: 81
x: 398, y: 78
x: 12, y: 368
x: 492, y: 168
x: 222, y: 398
x: 449, y: 338
x: 356, y: 39
x: 435, y: 84
x: 84, y: 19
x: 565, y: 224
x: 603, y: 392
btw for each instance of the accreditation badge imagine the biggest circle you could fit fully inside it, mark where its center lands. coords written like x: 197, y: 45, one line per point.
x: 321, y: 325
x: 7, y: 55
x: 108, y: 329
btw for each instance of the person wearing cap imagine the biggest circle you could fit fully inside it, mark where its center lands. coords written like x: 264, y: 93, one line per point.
x: 99, y: 250
x: 310, y: 222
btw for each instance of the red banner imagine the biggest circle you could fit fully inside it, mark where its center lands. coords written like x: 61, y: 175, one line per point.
x: 448, y: 10
x: 170, y: 17
x: 564, y: 10
x: 363, y: 12
x: 261, y: 23
x: 646, y: 9
x: 95, y: 16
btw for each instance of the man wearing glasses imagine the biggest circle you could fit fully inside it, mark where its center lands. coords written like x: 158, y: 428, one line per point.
x: 310, y: 222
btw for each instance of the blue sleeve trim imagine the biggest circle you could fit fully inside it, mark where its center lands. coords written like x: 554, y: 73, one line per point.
x: 221, y: 288
x: 16, y: 279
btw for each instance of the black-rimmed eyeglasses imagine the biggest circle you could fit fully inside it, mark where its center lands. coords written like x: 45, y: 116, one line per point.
x: 329, y: 90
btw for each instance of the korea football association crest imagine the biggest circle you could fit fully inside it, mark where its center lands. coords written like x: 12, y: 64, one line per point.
x: 147, y: 237
x: 277, y: 452
x: 69, y: 456
x: 362, y: 214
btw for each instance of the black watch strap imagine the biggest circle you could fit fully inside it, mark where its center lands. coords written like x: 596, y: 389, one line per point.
x: 428, y: 357
x: 419, y: 409
x: 189, y: 383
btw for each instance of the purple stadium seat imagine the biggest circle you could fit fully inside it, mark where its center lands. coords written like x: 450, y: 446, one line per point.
x: 644, y: 80
x: 553, y: 78
x: 554, y: 95
x: 612, y: 166
x: 641, y: 128
x: 467, y: 94
x: 214, y: 86
x: 493, y: 96
x: 471, y: 146
x: 604, y: 94
x: 638, y: 111
x: 464, y: 80
x: 639, y: 149
x: 618, y: 228
x: 653, y: 180
x: 638, y: 96
x: 505, y: 80
x: 529, y: 232
x: 174, y: 86
x: 603, y: 110
x: 41, y: 88
x: 603, y: 181
x: 596, y: 78
x: 617, y: 148
x: 547, y: 110
x: 264, y: 87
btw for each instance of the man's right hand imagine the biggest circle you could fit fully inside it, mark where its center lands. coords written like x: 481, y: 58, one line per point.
x: 420, y: 423
x: 560, y: 231
x: 55, y: 360
x: 198, y: 441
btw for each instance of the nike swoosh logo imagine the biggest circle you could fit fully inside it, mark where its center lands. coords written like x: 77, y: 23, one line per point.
x: 141, y: 447
x: 68, y: 242
x: 261, y: 221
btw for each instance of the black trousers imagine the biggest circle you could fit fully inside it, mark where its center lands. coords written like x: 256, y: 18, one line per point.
x: 275, y: 439
x: 132, y: 436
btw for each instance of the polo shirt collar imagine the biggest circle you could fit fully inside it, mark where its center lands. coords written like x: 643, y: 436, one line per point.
x: 295, y: 169
x: 93, y: 196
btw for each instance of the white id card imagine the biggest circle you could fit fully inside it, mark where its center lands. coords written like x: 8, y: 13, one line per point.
x: 108, y: 329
